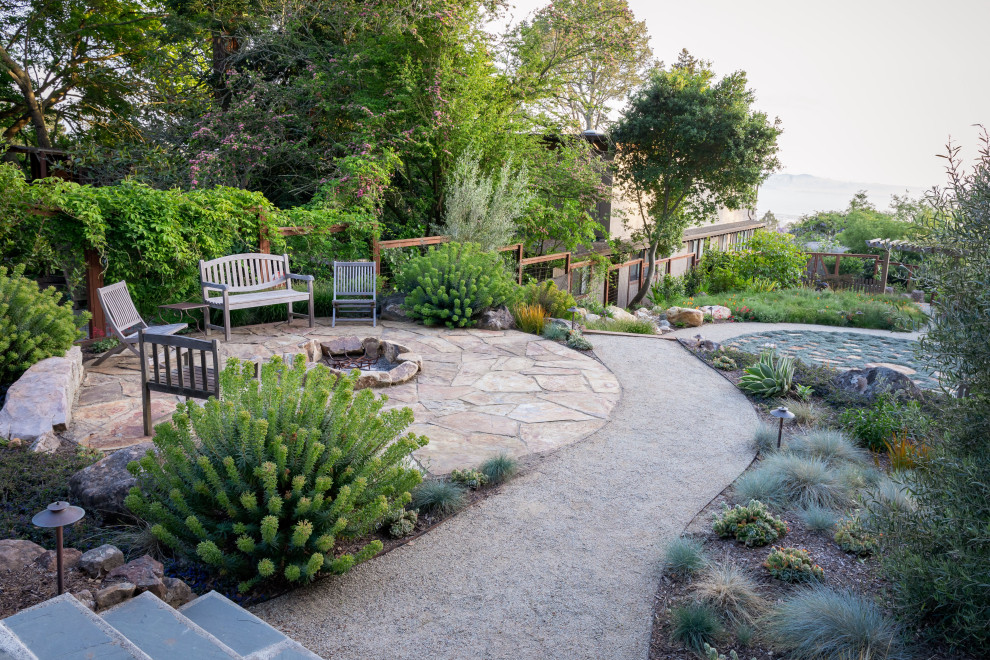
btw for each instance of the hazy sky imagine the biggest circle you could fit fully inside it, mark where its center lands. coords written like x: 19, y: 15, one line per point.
x: 867, y: 91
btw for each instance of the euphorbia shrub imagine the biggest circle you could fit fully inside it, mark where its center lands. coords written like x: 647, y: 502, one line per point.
x: 266, y: 482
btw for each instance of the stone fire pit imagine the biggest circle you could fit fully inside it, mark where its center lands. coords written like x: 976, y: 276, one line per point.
x: 382, y: 363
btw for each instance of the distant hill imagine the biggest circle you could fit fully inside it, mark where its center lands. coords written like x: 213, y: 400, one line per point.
x: 790, y: 196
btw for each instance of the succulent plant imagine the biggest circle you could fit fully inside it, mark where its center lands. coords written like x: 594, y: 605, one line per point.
x: 771, y: 376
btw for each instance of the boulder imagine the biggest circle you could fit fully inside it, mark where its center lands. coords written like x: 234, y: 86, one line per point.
x: 177, y: 592
x: 15, y: 554
x: 591, y: 317
x: 100, y: 561
x: 86, y: 598
x: 619, y: 314
x: 144, y: 573
x: 47, y: 443
x: 664, y: 323
x: 40, y: 401
x: 888, y: 290
x: 392, y: 308
x: 48, y: 560
x: 876, y: 380
x: 717, y: 312
x: 341, y: 345
x: 644, y: 314
x: 496, y: 318
x: 691, y: 317
x: 581, y: 311
x: 918, y: 296
x: 113, y: 594
x: 103, y: 485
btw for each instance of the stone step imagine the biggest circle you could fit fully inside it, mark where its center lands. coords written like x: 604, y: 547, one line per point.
x: 234, y: 626
x: 11, y: 647
x: 287, y: 650
x: 163, y: 633
x: 64, y: 629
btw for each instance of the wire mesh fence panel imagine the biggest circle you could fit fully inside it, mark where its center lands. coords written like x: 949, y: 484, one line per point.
x: 542, y: 271
x: 392, y: 261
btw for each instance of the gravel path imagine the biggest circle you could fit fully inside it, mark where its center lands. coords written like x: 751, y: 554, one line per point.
x: 564, y: 561
x: 722, y: 331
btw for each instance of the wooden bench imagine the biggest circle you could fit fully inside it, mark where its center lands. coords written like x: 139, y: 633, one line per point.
x: 181, y: 375
x: 252, y: 280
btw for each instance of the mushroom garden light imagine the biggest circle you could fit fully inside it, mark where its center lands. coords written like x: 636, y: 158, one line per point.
x: 58, y: 515
x: 781, y: 413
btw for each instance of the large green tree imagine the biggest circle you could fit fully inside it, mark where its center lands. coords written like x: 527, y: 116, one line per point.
x: 687, y: 145
x: 579, y: 58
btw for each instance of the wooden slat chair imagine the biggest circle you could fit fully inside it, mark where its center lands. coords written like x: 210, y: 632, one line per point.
x: 354, y: 291
x: 125, y: 322
x: 252, y: 280
x: 182, y: 374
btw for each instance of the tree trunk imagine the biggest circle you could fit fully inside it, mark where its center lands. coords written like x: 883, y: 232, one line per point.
x: 34, y: 108
x: 224, y: 46
x: 651, y: 267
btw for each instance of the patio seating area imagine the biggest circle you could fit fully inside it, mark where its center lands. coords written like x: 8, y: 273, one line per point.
x: 480, y: 392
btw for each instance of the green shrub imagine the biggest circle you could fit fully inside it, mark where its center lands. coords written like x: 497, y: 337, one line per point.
x: 804, y: 393
x: 499, y: 469
x: 438, y: 498
x: 684, y: 557
x: 750, y: 524
x: 771, y: 376
x: 104, y: 345
x: 807, y: 481
x: 34, y: 324
x: 453, y: 283
x: 695, y: 625
x: 879, y: 422
x: 473, y: 479
x: 400, y: 523
x: 547, y: 295
x: 556, y: 332
x: 774, y: 257
x: 730, y: 590
x: 264, y: 483
x: 818, y: 519
x: 793, y: 565
x: 721, y: 271
x: 818, y: 623
x: 666, y: 291
x: 852, y: 536
x: 829, y: 445
x: 762, y: 485
x: 578, y: 342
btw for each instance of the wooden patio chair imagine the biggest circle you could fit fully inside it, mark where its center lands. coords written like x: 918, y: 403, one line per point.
x: 183, y: 375
x: 354, y: 291
x: 125, y: 322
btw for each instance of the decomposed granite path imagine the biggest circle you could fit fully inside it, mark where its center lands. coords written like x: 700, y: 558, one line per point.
x: 562, y: 562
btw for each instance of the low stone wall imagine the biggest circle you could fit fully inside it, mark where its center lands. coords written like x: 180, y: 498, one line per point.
x: 40, y: 402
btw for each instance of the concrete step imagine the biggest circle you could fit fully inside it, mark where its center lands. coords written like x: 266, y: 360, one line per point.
x: 287, y: 650
x: 234, y: 626
x: 64, y: 629
x: 11, y: 647
x: 163, y: 633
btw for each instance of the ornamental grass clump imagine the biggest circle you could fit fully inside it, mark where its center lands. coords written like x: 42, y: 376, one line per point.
x: 833, y: 447
x: 453, y: 283
x: 499, y: 468
x: 264, y: 483
x: 530, y: 318
x: 684, y: 557
x: 694, y: 625
x: 439, y: 498
x: 793, y: 565
x: 729, y: 589
x: 34, y: 323
x: 752, y: 525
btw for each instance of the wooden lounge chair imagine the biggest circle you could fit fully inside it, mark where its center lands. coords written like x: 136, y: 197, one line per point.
x: 182, y: 375
x: 354, y: 291
x: 252, y: 280
x: 125, y: 322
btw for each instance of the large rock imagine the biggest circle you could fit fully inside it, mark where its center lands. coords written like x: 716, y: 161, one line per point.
x: 392, y: 309
x: 144, y: 573
x: 690, y: 317
x: 619, y: 314
x: 717, y: 312
x: 100, y: 561
x: 15, y: 554
x: 496, y: 318
x: 177, y: 592
x: 876, y: 380
x: 48, y: 443
x: 48, y: 561
x: 103, y: 485
x: 86, y: 598
x: 116, y: 593
x: 40, y: 401
x: 918, y: 296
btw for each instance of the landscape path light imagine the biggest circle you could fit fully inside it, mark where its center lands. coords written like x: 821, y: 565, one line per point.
x: 781, y: 413
x: 58, y: 515
x: 573, y: 311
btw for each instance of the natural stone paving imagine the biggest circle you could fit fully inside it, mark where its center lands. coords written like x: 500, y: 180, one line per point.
x: 563, y: 561
x: 480, y: 392
x: 842, y: 350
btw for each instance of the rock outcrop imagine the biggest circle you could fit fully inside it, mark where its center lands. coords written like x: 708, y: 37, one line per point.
x: 103, y: 485
x: 40, y: 401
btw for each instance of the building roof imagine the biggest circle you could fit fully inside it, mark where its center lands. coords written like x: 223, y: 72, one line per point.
x: 707, y: 231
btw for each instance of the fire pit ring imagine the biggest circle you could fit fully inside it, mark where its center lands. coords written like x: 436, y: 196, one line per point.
x: 382, y: 363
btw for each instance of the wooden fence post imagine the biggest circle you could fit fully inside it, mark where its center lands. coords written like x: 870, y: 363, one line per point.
x: 94, y: 281
x: 883, y: 272
x: 520, y: 264
x: 264, y: 242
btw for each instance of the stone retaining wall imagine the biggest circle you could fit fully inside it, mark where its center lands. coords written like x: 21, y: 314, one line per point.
x: 39, y: 403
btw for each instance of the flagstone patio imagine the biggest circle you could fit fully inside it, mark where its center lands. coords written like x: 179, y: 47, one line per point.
x: 480, y: 391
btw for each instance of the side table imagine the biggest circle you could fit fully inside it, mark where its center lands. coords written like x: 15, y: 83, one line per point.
x: 184, y: 309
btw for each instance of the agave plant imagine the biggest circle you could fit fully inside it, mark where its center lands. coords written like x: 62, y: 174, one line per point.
x: 771, y: 376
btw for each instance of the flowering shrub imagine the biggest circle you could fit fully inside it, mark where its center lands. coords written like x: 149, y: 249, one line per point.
x: 853, y: 537
x: 793, y: 565
x: 752, y: 524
